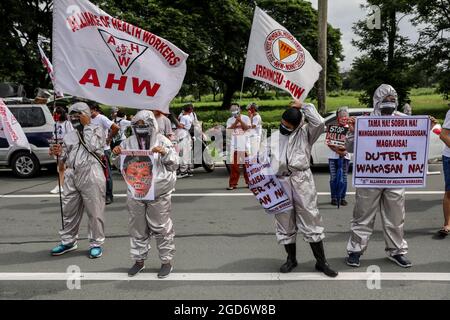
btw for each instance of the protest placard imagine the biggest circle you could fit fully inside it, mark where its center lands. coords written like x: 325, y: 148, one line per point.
x: 266, y: 187
x: 391, y: 152
x: 336, y: 135
x: 137, y: 169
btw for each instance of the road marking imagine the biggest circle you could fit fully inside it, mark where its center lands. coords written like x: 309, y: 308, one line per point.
x: 294, y: 276
x: 241, y: 194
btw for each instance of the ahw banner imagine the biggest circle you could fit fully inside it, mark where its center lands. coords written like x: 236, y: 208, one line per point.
x: 99, y: 57
x: 276, y: 57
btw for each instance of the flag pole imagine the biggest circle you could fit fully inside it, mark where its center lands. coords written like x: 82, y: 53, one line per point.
x: 242, y: 89
x: 57, y: 163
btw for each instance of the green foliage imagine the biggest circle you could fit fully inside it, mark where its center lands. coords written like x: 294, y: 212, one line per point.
x: 23, y: 22
x: 387, y: 57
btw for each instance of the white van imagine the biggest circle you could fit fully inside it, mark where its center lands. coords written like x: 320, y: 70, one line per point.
x: 38, y: 124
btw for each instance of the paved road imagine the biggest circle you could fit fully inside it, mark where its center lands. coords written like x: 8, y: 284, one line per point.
x: 220, y: 234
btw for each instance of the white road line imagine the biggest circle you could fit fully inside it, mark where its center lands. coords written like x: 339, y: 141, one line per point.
x: 295, y: 276
x: 241, y: 194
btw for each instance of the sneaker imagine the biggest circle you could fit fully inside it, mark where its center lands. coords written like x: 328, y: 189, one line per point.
x: 334, y: 202
x: 190, y: 174
x: 165, y: 270
x: 344, y: 202
x: 401, y: 260
x: 136, y: 268
x: 55, y: 190
x: 182, y: 175
x: 108, y: 200
x: 63, y: 248
x: 95, y: 252
x: 231, y: 188
x: 353, y: 259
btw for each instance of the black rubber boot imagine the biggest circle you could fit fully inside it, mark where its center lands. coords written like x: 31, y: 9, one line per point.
x: 291, y: 261
x: 322, y: 264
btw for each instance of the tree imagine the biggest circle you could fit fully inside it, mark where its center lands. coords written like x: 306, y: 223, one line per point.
x: 433, y: 54
x: 388, y: 55
x: 23, y: 22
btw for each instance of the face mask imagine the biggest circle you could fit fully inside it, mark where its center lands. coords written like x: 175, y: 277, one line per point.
x: 56, y: 117
x: 285, y: 131
x: 76, y: 124
x: 387, y: 108
x: 142, y: 131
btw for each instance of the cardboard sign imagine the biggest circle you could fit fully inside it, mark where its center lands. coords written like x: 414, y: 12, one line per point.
x: 137, y: 169
x: 391, y: 152
x: 266, y: 187
x: 336, y: 135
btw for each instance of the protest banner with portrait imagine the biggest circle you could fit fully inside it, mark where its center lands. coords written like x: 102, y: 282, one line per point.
x: 137, y: 169
x: 391, y: 152
x: 266, y: 187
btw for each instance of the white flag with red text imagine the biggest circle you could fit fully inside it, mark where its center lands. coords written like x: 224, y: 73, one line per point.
x: 49, y: 67
x: 10, y: 128
x: 102, y: 58
x: 276, y: 57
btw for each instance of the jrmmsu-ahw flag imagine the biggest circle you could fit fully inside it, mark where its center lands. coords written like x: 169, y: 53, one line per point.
x: 99, y: 57
x: 276, y: 57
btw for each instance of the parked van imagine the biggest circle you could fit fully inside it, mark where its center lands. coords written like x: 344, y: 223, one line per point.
x: 38, y: 124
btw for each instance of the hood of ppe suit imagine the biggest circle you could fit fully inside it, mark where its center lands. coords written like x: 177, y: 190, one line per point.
x: 149, y: 119
x: 382, y: 92
x: 80, y: 107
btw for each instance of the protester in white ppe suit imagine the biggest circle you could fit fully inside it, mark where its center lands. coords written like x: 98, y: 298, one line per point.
x: 389, y: 203
x: 290, y: 154
x: 151, y: 218
x: 84, y: 183
x: 185, y: 144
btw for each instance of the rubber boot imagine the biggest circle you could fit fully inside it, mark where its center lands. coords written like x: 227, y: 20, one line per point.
x: 322, y: 264
x: 291, y: 261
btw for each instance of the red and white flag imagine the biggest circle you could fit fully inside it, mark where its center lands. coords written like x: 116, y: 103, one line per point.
x: 105, y: 59
x: 10, y: 128
x: 276, y: 57
x: 49, y: 67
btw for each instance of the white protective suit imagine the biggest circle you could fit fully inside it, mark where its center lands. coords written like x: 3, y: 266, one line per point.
x: 152, y: 218
x: 388, y: 202
x: 290, y: 160
x: 84, y: 182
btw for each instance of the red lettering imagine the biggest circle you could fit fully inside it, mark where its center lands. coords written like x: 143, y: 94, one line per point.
x: 90, y: 77
x: 174, y: 61
x: 124, y: 61
x: 134, y: 47
x: 111, y: 40
x: 120, y: 82
x: 145, y: 84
